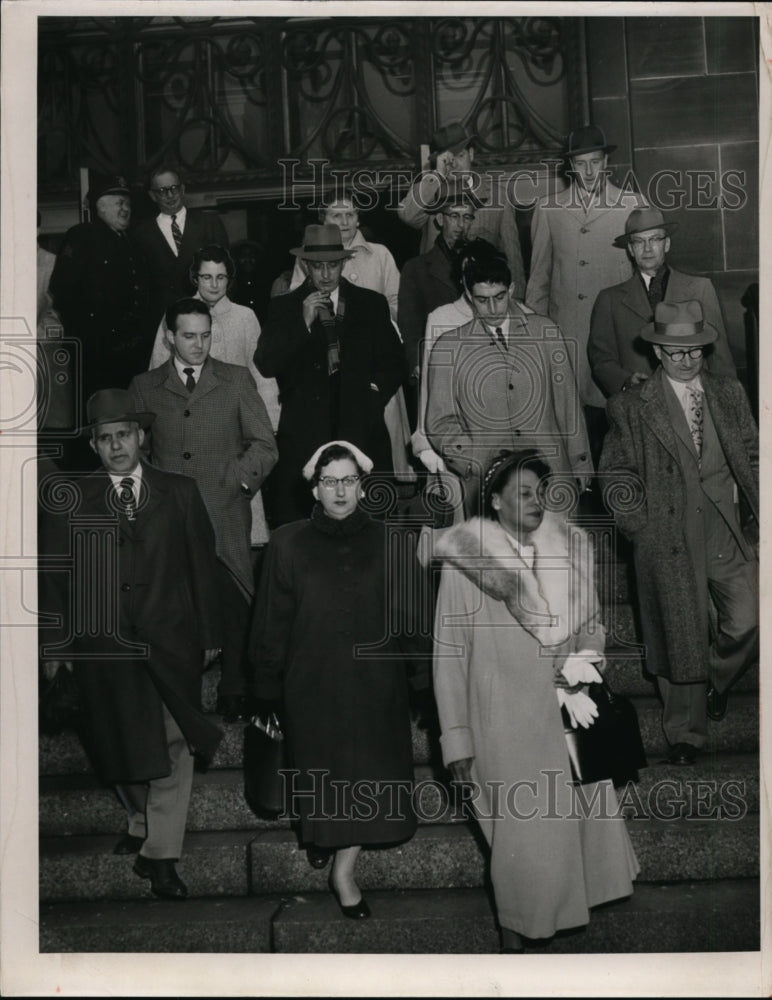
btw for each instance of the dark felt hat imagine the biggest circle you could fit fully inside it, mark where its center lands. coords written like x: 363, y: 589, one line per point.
x: 113, y: 406
x: 587, y: 139
x: 454, y: 136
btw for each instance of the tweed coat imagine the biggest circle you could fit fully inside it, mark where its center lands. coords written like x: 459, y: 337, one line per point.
x: 495, y: 221
x: 427, y: 283
x: 650, y: 510
x: 169, y: 271
x: 220, y: 435
x: 502, y: 633
x: 615, y: 349
x: 100, y: 287
x: 573, y: 258
x: 483, y: 398
x: 235, y: 332
x: 370, y: 355
x: 166, y: 594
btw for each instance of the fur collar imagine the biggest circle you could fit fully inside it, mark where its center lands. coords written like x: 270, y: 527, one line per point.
x: 554, y: 600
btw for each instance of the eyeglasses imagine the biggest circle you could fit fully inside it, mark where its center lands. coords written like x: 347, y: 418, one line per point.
x: 649, y: 241
x: 331, y: 483
x: 212, y: 278
x: 693, y: 353
x: 171, y: 191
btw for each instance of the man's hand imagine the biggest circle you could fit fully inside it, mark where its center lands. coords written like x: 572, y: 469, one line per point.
x: 461, y: 770
x: 634, y: 379
x: 210, y: 655
x: 313, y: 303
x: 445, y: 163
x: 51, y: 668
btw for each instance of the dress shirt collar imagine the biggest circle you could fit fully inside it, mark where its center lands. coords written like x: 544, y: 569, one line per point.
x: 165, y: 221
x: 135, y: 476
x: 681, y: 389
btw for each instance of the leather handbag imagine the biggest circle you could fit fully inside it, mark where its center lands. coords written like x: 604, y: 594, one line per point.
x: 263, y: 764
x: 611, y: 748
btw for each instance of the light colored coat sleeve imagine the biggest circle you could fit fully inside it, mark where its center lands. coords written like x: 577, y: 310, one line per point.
x: 260, y: 452
x: 537, y: 294
x: 423, y: 191
x: 444, y: 429
x: 452, y: 656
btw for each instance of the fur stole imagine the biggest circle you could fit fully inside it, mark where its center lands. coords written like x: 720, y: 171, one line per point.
x: 556, y: 600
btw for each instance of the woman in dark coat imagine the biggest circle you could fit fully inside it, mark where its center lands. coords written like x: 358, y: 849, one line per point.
x: 325, y: 644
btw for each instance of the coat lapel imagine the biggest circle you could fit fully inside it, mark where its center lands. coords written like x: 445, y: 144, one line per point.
x: 634, y: 297
x: 654, y: 412
x: 172, y: 380
x: 678, y: 419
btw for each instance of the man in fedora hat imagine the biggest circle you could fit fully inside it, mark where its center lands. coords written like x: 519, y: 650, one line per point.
x: 100, y: 288
x: 574, y: 257
x: 452, y: 157
x: 619, y: 357
x: 133, y: 587
x: 337, y: 358
x: 682, y: 456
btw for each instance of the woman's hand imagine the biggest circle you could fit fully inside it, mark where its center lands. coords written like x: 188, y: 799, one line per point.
x: 432, y: 461
x: 580, y: 668
x: 582, y: 710
x: 461, y: 770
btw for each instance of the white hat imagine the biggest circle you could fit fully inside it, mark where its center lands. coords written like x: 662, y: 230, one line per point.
x: 364, y: 463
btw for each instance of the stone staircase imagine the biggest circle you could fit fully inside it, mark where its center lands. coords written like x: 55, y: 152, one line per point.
x: 695, y: 831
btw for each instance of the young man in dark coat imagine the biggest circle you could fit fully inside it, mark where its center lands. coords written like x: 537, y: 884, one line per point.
x: 682, y: 454
x: 132, y: 580
x: 338, y: 360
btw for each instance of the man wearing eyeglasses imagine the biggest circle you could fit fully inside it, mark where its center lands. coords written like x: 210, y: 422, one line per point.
x: 170, y: 239
x: 680, y: 462
x: 618, y: 357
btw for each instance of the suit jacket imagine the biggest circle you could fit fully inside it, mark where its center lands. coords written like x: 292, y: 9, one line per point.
x: 649, y: 498
x: 573, y: 258
x: 483, y: 398
x: 371, y: 370
x: 169, y: 272
x: 159, y: 576
x: 615, y: 349
x: 221, y: 436
x: 425, y: 285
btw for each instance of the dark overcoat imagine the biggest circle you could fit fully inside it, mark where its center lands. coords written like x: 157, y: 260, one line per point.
x: 650, y: 510
x: 221, y: 435
x: 426, y: 283
x: 371, y: 370
x: 157, y: 579
x: 616, y: 349
x: 323, y: 592
x: 100, y: 287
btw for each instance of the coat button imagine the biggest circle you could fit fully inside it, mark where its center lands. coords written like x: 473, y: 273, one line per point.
x: 511, y: 386
x: 699, y: 510
x: 458, y: 447
x: 125, y: 587
x: 671, y: 510
x: 517, y: 432
x: 674, y: 551
x: 582, y: 263
x: 669, y: 468
x: 186, y: 413
x: 583, y: 229
x: 186, y: 454
x: 582, y: 296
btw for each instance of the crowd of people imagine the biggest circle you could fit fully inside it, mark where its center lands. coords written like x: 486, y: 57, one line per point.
x: 234, y: 463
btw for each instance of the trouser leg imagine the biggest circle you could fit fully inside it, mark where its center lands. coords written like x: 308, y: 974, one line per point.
x: 684, y: 712
x: 134, y: 799
x: 733, y: 586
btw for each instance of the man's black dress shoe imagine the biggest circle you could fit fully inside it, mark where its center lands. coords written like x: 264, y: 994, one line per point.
x: 128, y: 844
x: 357, y: 911
x: 717, y: 702
x: 318, y: 856
x: 232, y: 707
x: 682, y: 753
x: 164, y: 880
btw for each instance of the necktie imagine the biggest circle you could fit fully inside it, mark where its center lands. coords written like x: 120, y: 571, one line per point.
x: 126, y: 497
x: 190, y: 382
x: 176, y: 234
x: 656, y: 290
x: 695, y: 418
x: 500, y: 337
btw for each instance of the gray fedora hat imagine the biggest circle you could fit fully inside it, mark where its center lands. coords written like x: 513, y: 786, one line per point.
x: 679, y: 324
x: 322, y: 243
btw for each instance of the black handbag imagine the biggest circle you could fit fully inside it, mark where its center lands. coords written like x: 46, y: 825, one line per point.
x: 612, y: 746
x: 263, y: 764
x: 59, y: 702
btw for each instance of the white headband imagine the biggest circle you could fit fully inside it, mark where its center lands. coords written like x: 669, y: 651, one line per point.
x: 364, y: 463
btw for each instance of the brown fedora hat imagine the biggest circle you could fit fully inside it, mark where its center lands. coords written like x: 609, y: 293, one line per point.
x: 114, y: 406
x: 640, y: 220
x: 322, y: 243
x: 679, y: 324
x: 454, y: 137
x: 587, y: 139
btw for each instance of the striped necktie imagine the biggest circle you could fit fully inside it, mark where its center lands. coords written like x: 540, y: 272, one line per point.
x: 126, y: 497
x: 696, y: 417
x: 176, y: 234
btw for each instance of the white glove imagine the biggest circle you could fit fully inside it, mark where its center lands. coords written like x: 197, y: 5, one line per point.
x: 580, y: 668
x: 582, y: 710
x: 432, y: 461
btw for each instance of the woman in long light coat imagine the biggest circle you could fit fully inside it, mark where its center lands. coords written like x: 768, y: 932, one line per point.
x: 517, y: 633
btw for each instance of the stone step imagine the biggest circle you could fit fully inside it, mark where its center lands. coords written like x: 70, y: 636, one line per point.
x: 439, y: 856
x: 737, y: 732
x: 685, y: 917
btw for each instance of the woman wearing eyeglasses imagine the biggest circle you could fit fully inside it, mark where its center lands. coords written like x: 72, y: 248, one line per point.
x: 517, y: 635
x: 328, y: 643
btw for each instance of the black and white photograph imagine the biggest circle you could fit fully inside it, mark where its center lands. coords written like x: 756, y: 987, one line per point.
x: 381, y: 603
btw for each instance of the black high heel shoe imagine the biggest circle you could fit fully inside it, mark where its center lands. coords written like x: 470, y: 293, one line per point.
x: 357, y: 911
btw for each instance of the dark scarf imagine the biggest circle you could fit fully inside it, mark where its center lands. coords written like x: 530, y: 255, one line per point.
x: 350, y: 525
x: 657, y: 286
